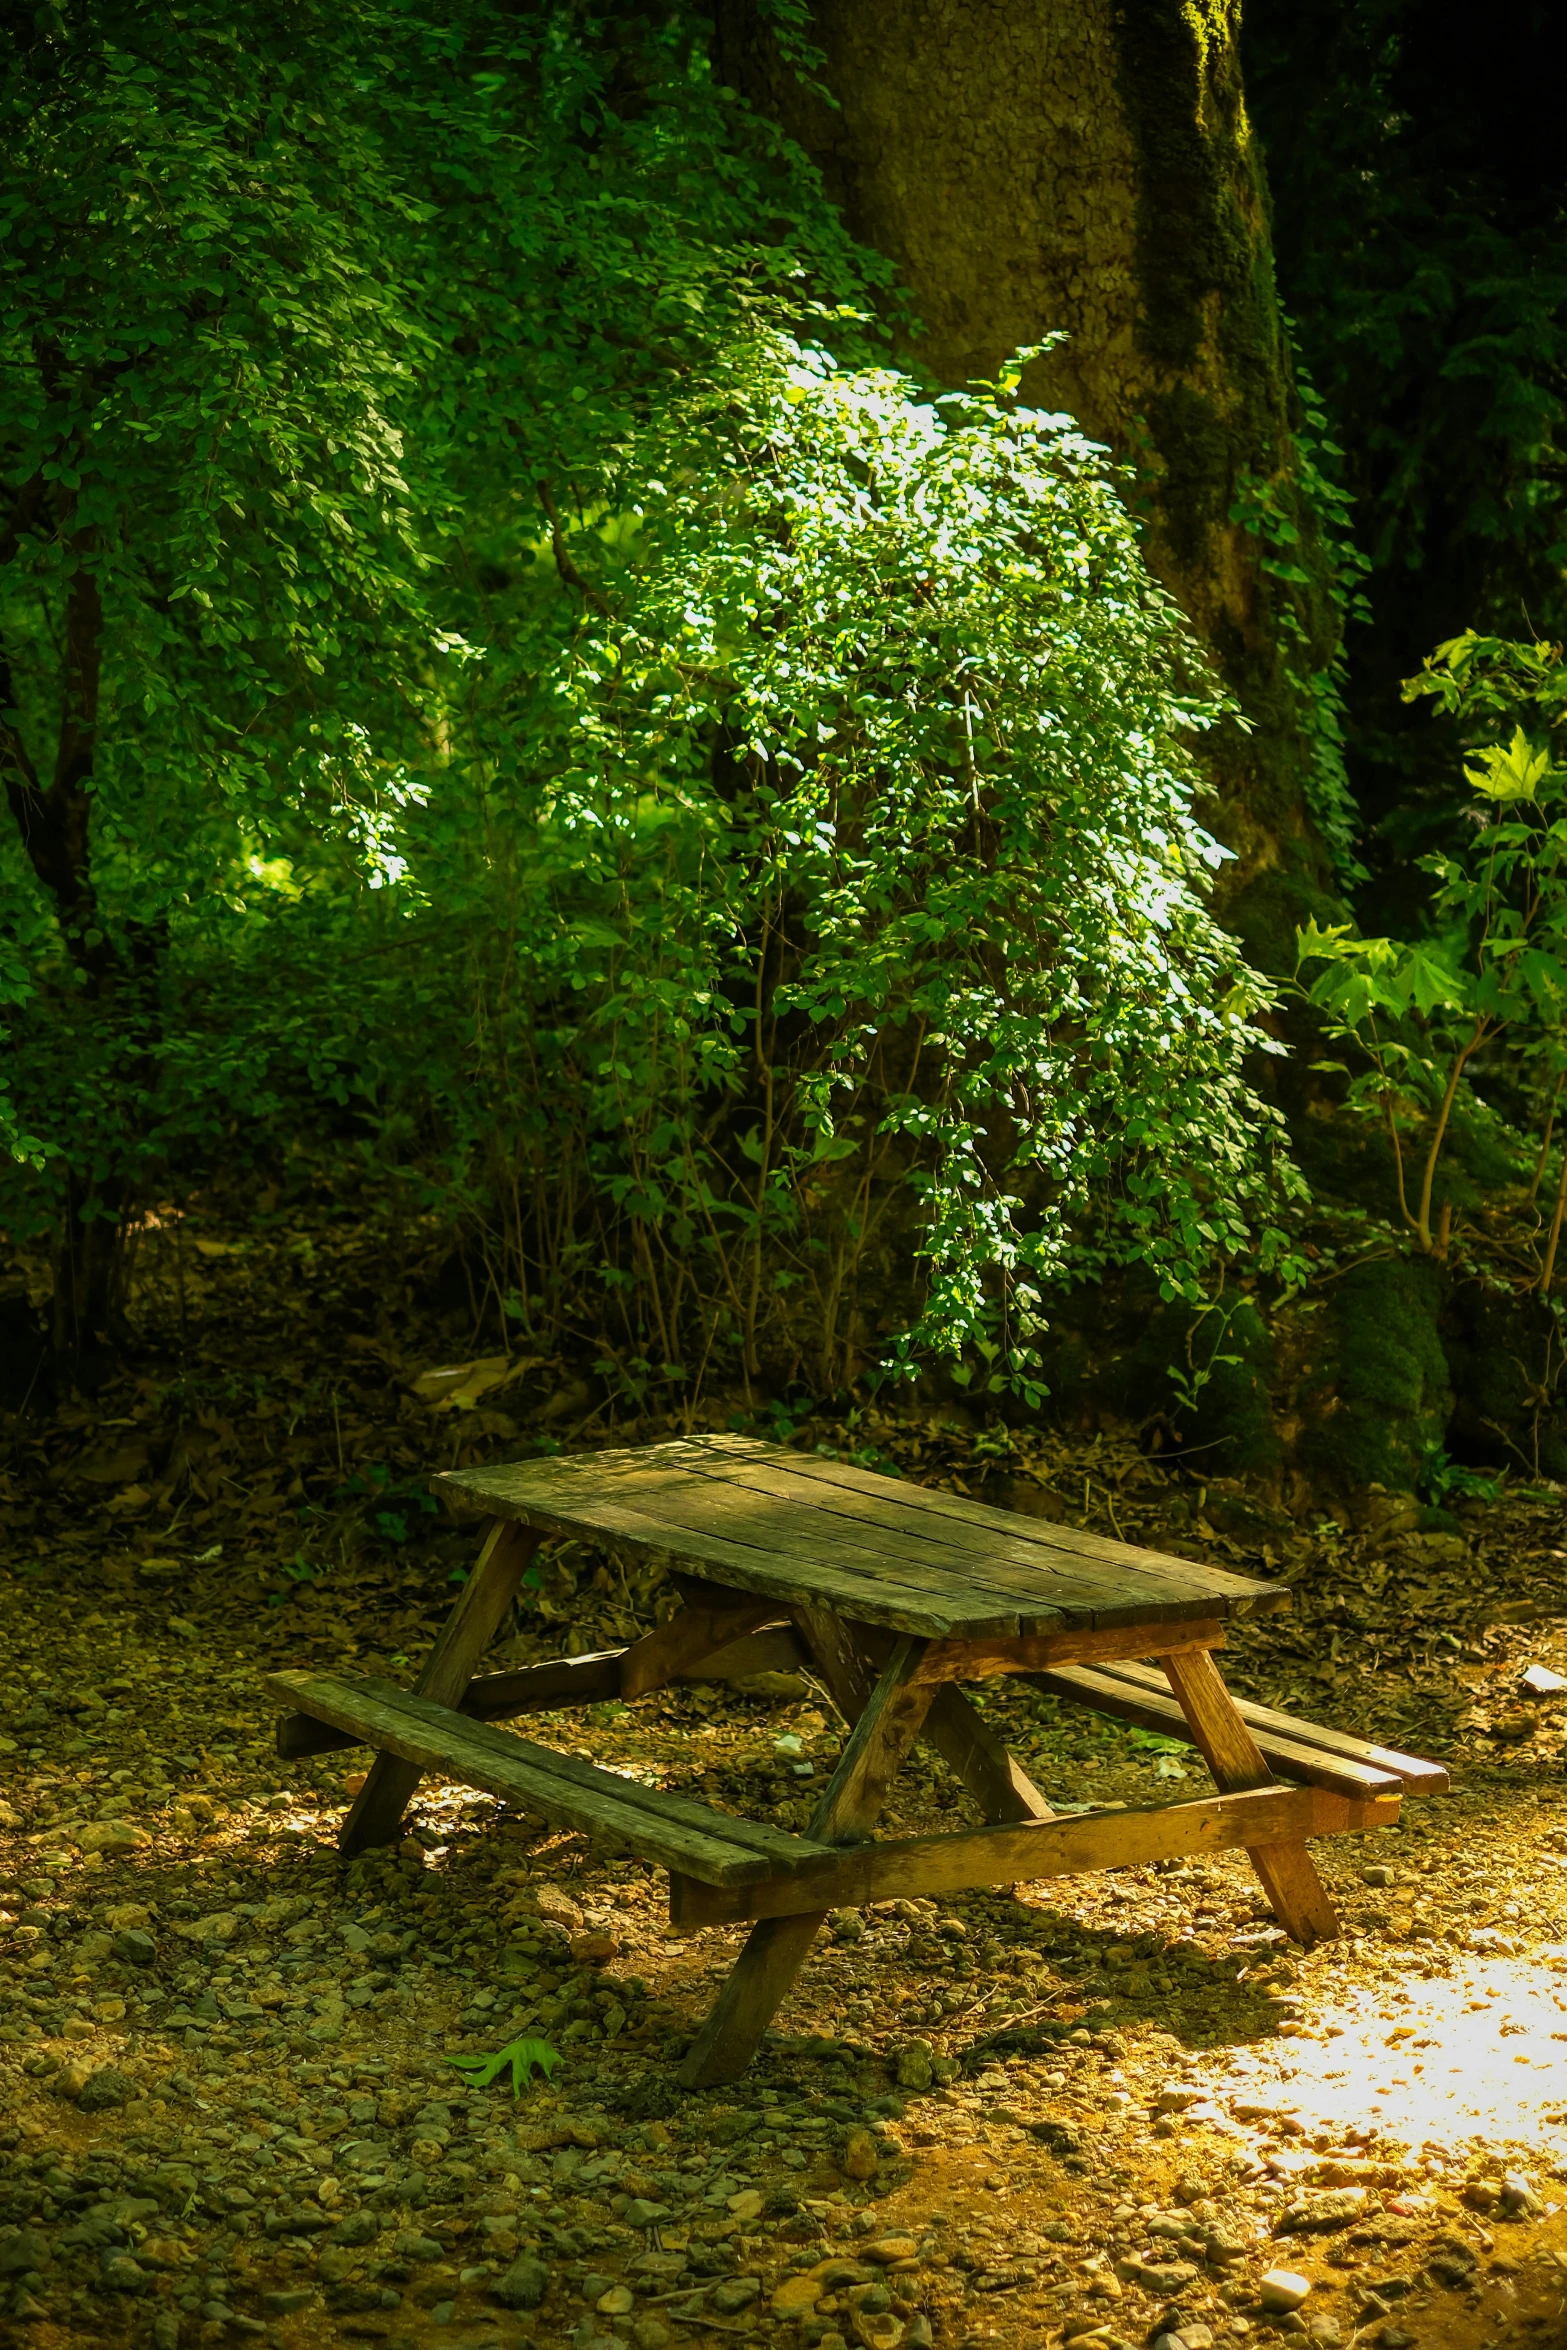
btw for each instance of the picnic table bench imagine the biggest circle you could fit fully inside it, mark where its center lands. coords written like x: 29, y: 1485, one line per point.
x: 892, y: 1596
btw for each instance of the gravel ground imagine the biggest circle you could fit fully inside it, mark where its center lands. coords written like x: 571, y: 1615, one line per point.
x: 1118, y: 2110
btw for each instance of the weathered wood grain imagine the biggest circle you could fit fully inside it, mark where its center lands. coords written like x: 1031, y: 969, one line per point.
x: 671, y: 1649
x: 564, y: 1790
x: 1288, y: 1873
x: 1032, y: 1851
x: 799, y: 1526
x: 888, y: 1724
x: 1036, y: 1652
x: 1419, y: 1777
x: 376, y: 1813
x: 1155, y: 1708
x: 564, y: 1681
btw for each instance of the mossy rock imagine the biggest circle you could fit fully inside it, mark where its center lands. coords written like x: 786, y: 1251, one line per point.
x: 1501, y: 1351
x: 1385, y: 1386
x: 1122, y: 1353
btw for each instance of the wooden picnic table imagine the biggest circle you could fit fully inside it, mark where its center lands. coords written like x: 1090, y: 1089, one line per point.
x: 892, y: 1595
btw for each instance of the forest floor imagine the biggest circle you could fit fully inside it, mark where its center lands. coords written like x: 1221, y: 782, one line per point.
x: 1099, y: 2110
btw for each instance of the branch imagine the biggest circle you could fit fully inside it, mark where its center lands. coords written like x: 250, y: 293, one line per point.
x: 563, y: 562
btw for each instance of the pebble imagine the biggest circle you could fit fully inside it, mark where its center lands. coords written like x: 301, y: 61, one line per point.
x: 735, y: 2294
x: 1282, y: 2288
x: 523, y: 2285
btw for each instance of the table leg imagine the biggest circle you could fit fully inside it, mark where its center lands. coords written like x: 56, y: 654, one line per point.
x: 377, y: 1810
x: 954, y: 1725
x: 1288, y: 1872
x: 889, y: 1722
x: 991, y: 1773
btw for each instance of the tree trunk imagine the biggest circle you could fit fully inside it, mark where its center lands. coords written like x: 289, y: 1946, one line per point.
x: 54, y: 823
x: 1086, y: 165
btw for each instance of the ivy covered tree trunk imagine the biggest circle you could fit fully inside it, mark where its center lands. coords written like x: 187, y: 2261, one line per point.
x: 1087, y: 166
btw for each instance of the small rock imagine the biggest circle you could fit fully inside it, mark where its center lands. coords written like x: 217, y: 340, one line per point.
x: 1324, y: 2331
x: 1281, y: 2289
x: 1395, y: 2338
x: 1379, y: 1874
x: 122, y: 2274
x: 183, y: 1628
x: 847, y: 1925
x: 105, y: 2089
x: 859, y: 2153
x: 643, y: 2212
x: 1318, y: 2214
x: 22, y: 2250
x: 886, y: 2249
x: 746, y: 2205
x: 221, y: 1926
x: 413, y: 2246
x: 358, y: 2228
x: 1519, y: 2199
x: 797, y: 2296
x: 72, y: 2078
x: 651, y: 2333
x: 913, y: 2061
x: 111, y: 1836
x: 284, y: 2304
x: 591, y: 1949
x: 557, y: 1908
x: 126, y: 1916
x: 135, y: 1946
x: 735, y: 2294
x: 616, y: 2301
x: 523, y: 2285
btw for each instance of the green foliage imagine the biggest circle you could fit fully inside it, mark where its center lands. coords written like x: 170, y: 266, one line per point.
x: 521, y: 2058
x: 1314, y: 660
x: 1494, y: 965
x: 714, y: 823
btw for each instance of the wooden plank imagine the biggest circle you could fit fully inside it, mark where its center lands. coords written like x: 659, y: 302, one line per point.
x: 1035, y: 1652
x: 852, y: 1530
x: 852, y: 1536
x: 822, y: 1553
x: 966, y: 1543
x: 561, y: 1789
x: 1288, y: 1873
x: 375, y: 1816
x: 1000, y: 1547
x: 847, y: 1657
x: 989, y: 1770
x: 1115, y: 1693
x: 1033, y: 1851
x: 881, y: 1599
x: 1418, y: 1776
x: 776, y: 1650
x: 775, y: 1949
x: 671, y: 1649
x: 563, y: 1681
x: 1244, y: 1594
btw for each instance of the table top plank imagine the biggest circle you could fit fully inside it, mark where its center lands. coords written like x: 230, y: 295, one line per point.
x: 805, y: 1528
x: 1244, y: 1594
x: 866, y: 1597
x: 1139, y: 1585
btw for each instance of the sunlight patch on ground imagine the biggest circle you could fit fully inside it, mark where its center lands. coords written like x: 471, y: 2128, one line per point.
x: 1477, y: 2053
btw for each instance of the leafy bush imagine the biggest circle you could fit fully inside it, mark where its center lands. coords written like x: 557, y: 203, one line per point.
x: 1491, y: 974
x: 715, y: 821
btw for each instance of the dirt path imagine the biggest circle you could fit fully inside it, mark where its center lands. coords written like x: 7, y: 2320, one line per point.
x: 1102, y: 2110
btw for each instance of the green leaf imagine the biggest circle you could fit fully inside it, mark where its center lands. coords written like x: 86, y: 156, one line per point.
x: 520, y: 2057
